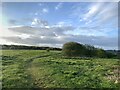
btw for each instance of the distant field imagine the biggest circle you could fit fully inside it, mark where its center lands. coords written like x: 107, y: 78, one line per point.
x: 42, y: 69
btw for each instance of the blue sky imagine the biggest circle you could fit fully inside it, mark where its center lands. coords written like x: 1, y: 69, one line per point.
x: 54, y: 23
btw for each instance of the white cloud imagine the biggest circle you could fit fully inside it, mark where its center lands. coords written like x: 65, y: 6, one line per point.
x: 40, y: 4
x: 93, y: 10
x: 64, y: 23
x: 36, y: 13
x: 45, y: 10
x: 58, y: 6
x: 39, y: 22
x: 109, y: 12
x: 93, y: 30
x: 60, y: 24
x: 40, y: 12
x: 102, y: 12
x: 24, y: 36
x: 42, y: 31
x: 97, y: 18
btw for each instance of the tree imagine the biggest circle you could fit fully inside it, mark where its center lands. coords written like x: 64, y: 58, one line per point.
x: 90, y: 51
x: 48, y: 49
x: 73, y: 49
x: 111, y: 55
x: 101, y: 53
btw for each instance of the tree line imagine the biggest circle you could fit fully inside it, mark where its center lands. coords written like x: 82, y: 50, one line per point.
x: 22, y: 47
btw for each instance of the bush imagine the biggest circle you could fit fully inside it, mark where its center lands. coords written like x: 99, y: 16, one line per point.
x: 90, y: 51
x: 48, y: 49
x: 73, y: 49
x: 101, y: 53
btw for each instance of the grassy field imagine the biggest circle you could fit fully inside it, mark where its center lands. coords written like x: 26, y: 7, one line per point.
x: 42, y: 69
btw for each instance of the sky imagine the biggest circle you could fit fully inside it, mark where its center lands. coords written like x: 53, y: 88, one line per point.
x: 55, y: 23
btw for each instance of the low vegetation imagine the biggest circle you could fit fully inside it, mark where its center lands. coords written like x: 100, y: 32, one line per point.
x: 41, y: 69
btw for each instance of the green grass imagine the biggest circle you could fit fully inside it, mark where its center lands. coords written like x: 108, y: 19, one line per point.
x: 41, y: 69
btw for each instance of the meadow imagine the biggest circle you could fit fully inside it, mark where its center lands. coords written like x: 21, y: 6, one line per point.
x: 42, y: 69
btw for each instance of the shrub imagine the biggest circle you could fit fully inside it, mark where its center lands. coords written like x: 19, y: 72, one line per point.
x: 73, y: 49
x: 48, y: 49
x: 101, y: 53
